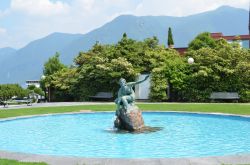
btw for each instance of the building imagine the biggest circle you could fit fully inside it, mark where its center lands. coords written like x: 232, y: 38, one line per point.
x: 142, y: 90
x: 244, y: 40
x: 33, y: 82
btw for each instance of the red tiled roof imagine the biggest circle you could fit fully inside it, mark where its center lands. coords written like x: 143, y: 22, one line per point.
x: 235, y: 37
x: 182, y: 50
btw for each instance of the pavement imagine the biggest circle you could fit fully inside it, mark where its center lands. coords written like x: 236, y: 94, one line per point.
x: 60, y: 160
x: 52, y: 104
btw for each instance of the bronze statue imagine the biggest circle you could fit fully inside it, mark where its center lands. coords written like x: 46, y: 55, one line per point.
x: 126, y: 94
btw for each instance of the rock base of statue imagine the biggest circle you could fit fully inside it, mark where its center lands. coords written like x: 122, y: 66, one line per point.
x: 129, y: 119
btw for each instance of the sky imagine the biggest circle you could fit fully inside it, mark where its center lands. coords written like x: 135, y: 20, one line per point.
x: 22, y: 21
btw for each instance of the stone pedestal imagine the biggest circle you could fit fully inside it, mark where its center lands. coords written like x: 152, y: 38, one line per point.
x: 129, y: 119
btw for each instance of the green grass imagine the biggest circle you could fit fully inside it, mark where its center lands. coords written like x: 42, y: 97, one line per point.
x: 232, y: 108
x: 14, y: 162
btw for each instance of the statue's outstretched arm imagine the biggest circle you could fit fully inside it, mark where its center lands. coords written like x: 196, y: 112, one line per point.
x: 137, y: 82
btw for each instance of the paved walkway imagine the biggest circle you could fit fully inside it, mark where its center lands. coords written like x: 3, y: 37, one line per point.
x: 53, y: 104
x: 59, y: 160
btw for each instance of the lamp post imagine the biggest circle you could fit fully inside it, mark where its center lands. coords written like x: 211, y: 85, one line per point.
x: 47, y: 89
x: 190, y: 60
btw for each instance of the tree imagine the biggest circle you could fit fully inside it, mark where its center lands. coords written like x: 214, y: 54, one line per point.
x: 7, y: 91
x: 64, y: 82
x: 201, y: 41
x: 33, y: 88
x: 151, y: 43
x: 53, y: 65
x: 168, y: 77
x: 170, y: 38
x: 219, y: 66
x: 124, y: 35
x: 223, y: 67
x: 100, y: 70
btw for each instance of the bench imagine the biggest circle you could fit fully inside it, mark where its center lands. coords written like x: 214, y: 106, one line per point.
x: 224, y: 96
x: 4, y: 103
x: 26, y: 101
x: 102, y: 96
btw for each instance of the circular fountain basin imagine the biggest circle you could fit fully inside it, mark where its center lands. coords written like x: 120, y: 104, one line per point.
x: 92, y: 135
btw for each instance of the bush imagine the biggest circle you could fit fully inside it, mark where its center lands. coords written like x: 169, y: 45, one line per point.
x: 9, y: 90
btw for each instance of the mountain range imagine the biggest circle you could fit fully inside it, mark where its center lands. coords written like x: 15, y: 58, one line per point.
x: 17, y: 66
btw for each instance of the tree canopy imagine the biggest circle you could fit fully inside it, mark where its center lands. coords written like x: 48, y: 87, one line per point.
x: 201, y: 41
x: 219, y: 66
x: 7, y: 91
x: 53, y: 65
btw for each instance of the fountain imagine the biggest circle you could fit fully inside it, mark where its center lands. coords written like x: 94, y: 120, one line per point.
x: 128, y: 115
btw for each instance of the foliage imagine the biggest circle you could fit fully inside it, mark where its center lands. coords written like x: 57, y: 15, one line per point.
x: 51, y: 70
x: 176, y: 72
x: 9, y: 90
x: 53, y: 65
x: 158, y: 85
x: 65, y: 78
x: 203, y: 40
x: 33, y: 88
x: 101, y: 67
x: 222, y: 68
x: 165, y: 73
x: 170, y: 37
x: 219, y: 66
x: 100, y: 71
x: 15, y: 162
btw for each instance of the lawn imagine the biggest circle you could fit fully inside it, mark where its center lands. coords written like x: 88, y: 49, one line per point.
x: 14, y: 162
x: 232, y: 108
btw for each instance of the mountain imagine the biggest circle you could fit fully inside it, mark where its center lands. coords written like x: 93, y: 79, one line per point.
x: 229, y: 20
x: 27, y: 63
x: 6, y: 53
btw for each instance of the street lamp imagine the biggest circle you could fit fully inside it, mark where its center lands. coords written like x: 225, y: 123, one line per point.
x: 47, y: 89
x: 190, y: 60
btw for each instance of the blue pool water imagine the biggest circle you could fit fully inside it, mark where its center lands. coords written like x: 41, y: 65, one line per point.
x: 92, y: 135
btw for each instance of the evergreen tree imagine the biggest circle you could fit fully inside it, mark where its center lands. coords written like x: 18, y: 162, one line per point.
x: 53, y: 65
x: 170, y: 38
x: 124, y: 35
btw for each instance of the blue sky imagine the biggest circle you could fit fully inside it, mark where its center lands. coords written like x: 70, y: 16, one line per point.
x: 22, y: 21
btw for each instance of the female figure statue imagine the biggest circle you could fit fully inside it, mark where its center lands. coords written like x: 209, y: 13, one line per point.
x: 126, y: 94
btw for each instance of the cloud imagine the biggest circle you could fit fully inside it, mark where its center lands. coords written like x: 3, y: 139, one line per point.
x: 27, y: 20
x: 185, y: 7
x: 2, y: 31
x: 39, y: 7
